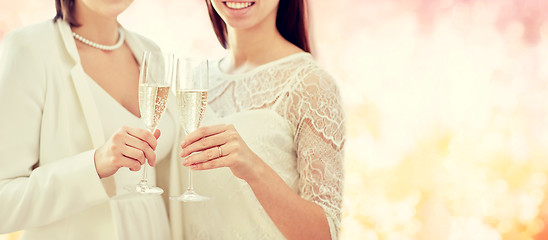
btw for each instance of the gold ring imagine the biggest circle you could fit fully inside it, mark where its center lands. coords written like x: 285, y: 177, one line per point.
x: 220, y: 151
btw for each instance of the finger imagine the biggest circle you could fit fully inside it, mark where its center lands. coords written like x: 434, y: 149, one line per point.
x: 142, y: 146
x: 205, y: 143
x: 203, y: 132
x: 208, y: 154
x: 144, y: 135
x: 152, y: 159
x: 157, y: 133
x: 217, y: 163
x: 204, y: 156
x: 130, y: 163
x: 134, y: 153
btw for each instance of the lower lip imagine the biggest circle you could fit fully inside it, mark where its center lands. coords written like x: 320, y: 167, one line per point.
x: 238, y: 12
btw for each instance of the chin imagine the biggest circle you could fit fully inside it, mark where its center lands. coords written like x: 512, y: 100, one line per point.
x: 239, y: 24
x: 112, y: 12
x: 113, y: 8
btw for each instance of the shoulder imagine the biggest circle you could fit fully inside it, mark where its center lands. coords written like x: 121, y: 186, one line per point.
x: 26, y: 56
x: 312, y: 77
x: 318, y: 101
x: 35, y: 37
x: 35, y: 44
x: 305, y: 65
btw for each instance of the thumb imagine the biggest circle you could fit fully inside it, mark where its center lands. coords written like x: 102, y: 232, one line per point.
x: 157, y: 133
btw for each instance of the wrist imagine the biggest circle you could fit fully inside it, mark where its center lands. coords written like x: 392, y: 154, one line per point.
x: 258, y: 172
x: 95, y: 164
x: 100, y: 168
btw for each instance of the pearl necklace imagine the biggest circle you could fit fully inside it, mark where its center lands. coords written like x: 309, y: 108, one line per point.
x: 100, y: 46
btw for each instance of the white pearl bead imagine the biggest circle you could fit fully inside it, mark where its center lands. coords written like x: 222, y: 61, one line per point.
x: 100, y: 46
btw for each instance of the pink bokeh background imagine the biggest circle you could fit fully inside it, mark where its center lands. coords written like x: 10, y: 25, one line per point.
x: 446, y: 106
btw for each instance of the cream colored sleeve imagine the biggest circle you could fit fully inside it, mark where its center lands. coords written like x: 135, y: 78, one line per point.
x: 33, y: 196
x: 320, y: 140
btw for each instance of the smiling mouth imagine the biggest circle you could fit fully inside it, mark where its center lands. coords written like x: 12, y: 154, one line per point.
x: 238, y: 5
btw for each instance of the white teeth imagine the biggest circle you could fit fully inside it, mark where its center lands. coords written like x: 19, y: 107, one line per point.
x: 238, y: 5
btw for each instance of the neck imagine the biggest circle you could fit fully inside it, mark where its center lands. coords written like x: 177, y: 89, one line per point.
x: 252, y: 47
x: 94, y: 27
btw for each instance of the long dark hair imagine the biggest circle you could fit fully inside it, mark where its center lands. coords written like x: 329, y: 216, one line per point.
x: 290, y: 22
x: 65, y: 11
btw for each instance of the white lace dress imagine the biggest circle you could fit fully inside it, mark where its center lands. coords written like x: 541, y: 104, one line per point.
x: 289, y: 113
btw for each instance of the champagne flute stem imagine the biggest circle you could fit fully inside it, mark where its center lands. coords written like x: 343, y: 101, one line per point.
x: 144, y: 178
x: 190, y: 183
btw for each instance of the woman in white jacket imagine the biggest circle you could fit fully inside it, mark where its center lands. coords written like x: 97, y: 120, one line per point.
x: 72, y: 136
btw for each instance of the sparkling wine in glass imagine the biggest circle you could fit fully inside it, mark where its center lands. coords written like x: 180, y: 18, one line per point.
x: 156, y: 76
x: 191, y: 83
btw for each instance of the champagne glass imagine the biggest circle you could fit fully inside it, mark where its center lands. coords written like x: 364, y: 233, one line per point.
x: 191, y: 84
x: 155, y: 79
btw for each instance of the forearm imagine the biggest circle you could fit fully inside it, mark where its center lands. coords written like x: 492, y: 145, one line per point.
x: 294, y: 216
x: 221, y: 146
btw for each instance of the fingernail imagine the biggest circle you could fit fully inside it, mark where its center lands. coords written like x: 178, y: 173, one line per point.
x: 183, y: 143
x: 185, y: 162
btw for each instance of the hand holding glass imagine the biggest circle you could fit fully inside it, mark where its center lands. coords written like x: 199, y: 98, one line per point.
x: 191, y: 84
x: 155, y: 79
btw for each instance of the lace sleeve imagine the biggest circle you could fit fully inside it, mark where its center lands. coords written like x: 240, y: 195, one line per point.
x: 319, y: 139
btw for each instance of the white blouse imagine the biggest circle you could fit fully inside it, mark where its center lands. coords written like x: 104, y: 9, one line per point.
x: 289, y: 113
x: 136, y: 216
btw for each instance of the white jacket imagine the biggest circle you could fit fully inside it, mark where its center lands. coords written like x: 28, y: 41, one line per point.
x: 50, y: 129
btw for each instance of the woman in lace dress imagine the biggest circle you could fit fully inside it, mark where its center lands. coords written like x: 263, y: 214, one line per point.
x: 71, y: 135
x: 272, y: 140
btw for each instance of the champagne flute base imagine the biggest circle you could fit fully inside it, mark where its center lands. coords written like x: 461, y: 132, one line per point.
x: 143, y: 188
x: 190, y: 196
